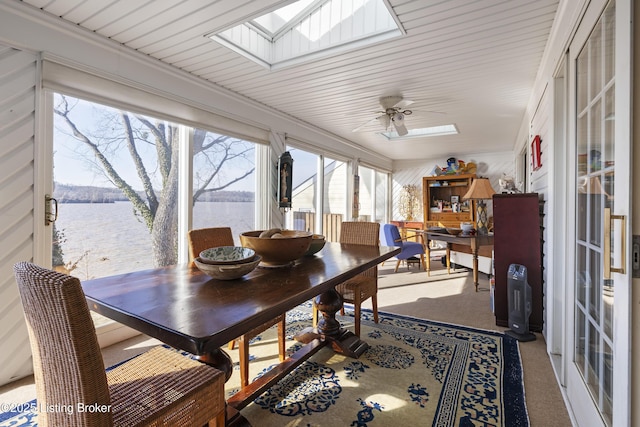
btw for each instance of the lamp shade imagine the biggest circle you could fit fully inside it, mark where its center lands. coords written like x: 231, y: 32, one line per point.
x: 480, y: 189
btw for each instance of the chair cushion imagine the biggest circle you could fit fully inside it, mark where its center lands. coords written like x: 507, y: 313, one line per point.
x: 149, y: 388
x: 410, y: 249
x: 392, y: 235
x: 366, y: 285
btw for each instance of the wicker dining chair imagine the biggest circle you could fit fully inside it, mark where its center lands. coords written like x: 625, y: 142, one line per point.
x: 160, y: 387
x: 205, y: 238
x: 365, y: 285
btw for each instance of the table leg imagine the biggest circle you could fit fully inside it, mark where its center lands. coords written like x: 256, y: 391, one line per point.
x: 474, y: 251
x: 220, y: 360
x: 448, y: 258
x: 427, y: 264
x: 329, y: 329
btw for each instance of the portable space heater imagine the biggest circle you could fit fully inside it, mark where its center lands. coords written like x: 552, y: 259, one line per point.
x: 519, y: 299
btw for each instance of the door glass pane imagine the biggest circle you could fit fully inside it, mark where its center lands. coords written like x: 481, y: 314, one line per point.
x: 223, y: 182
x: 580, y: 341
x: 595, y: 288
x: 596, y: 61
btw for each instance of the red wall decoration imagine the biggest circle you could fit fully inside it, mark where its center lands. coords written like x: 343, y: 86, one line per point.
x: 536, y: 159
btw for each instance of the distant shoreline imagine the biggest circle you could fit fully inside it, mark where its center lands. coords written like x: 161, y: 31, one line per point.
x: 99, y: 202
x: 67, y: 193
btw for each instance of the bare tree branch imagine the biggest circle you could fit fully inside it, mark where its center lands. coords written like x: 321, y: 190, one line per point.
x: 129, y: 192
x: 137, y: 161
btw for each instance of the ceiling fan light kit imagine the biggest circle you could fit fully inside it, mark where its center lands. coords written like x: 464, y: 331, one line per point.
x: 393, y: 111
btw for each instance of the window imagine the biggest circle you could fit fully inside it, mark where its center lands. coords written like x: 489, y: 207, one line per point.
x: 116, y: 177
x: 114, y: 172
x: 373, y: 195
x: 334, y: 211
x: 223, y: 182
x: 302, y: 215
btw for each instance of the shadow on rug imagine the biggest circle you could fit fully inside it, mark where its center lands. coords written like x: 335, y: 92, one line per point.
x: 416, y: 372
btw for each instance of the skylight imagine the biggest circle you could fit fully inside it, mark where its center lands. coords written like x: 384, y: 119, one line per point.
x: 308, y: 29
x: 423, y: 132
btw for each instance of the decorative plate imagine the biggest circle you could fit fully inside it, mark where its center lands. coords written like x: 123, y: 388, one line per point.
x: 227, y: 255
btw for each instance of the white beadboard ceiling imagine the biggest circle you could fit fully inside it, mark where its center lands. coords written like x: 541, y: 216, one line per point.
x: 474, y: 61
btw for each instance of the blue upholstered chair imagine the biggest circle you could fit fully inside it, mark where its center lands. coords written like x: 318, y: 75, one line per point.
x: 391, y: 237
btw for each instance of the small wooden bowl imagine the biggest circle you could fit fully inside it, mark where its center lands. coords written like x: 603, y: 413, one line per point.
x: 454, y: 231
x: 227, y: 271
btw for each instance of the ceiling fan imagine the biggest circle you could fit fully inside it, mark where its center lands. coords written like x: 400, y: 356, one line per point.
x: 393, y: 112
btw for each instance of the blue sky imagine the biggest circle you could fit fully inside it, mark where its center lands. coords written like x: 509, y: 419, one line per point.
x: 76, y: 164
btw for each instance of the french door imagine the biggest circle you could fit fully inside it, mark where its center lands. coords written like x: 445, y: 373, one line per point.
x: 598, y: 369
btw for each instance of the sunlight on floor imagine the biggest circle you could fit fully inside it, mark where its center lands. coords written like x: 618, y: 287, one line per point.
x: 407, y: 293
x: 390, y: 402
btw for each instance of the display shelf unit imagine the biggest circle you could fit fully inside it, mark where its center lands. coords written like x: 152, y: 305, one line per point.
x: 439, y: 195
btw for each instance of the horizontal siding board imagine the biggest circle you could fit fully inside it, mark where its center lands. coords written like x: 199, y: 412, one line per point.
x: 18, y: 81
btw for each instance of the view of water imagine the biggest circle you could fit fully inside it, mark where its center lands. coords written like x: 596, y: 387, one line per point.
x: 106, y: 238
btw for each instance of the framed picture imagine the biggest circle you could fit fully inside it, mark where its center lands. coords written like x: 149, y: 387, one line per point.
x: 455, y: 199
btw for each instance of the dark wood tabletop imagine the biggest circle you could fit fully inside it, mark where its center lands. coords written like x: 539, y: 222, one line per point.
x: 186, y: 309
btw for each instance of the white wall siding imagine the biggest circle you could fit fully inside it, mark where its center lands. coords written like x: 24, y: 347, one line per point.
x: 541, y: 125
x: 18, y: 74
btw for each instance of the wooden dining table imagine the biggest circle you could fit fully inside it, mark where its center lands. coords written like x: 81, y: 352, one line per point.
x: 190, y: 311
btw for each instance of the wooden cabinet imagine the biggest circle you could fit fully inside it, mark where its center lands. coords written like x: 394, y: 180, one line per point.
x: 441, y: 195
x: 517, y: 239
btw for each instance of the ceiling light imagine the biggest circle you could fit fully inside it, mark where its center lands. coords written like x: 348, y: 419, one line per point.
x: 423, y: 132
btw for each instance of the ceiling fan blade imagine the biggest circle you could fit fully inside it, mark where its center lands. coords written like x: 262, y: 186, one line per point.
x: 403, y: 103
x: 384, y: 120
x: 429, y: 112
x: 398, y: 123
x: 367, y: 123
x: 387, y: 102
x: 402, y: 130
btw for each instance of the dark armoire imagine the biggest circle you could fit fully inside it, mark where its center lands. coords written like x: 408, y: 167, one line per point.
x: 517, y: 229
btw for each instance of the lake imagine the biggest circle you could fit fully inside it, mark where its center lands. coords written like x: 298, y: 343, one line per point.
x: 102, y: 239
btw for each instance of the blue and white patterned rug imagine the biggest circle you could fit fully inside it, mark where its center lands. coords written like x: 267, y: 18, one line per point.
x: 416, y: 372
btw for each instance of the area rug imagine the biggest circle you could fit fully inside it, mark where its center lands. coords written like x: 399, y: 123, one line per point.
x: 416, y: 372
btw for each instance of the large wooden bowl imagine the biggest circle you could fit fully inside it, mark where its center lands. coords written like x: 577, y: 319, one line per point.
x: 278, y: 251
x: 317, y: 243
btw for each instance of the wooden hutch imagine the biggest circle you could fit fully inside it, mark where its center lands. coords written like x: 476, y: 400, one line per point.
x: 442, y: 202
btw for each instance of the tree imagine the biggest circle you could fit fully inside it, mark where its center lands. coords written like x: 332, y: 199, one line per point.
x: 156, y: 203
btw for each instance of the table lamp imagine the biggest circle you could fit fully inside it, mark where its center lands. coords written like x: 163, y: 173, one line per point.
x: 480, y: 190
